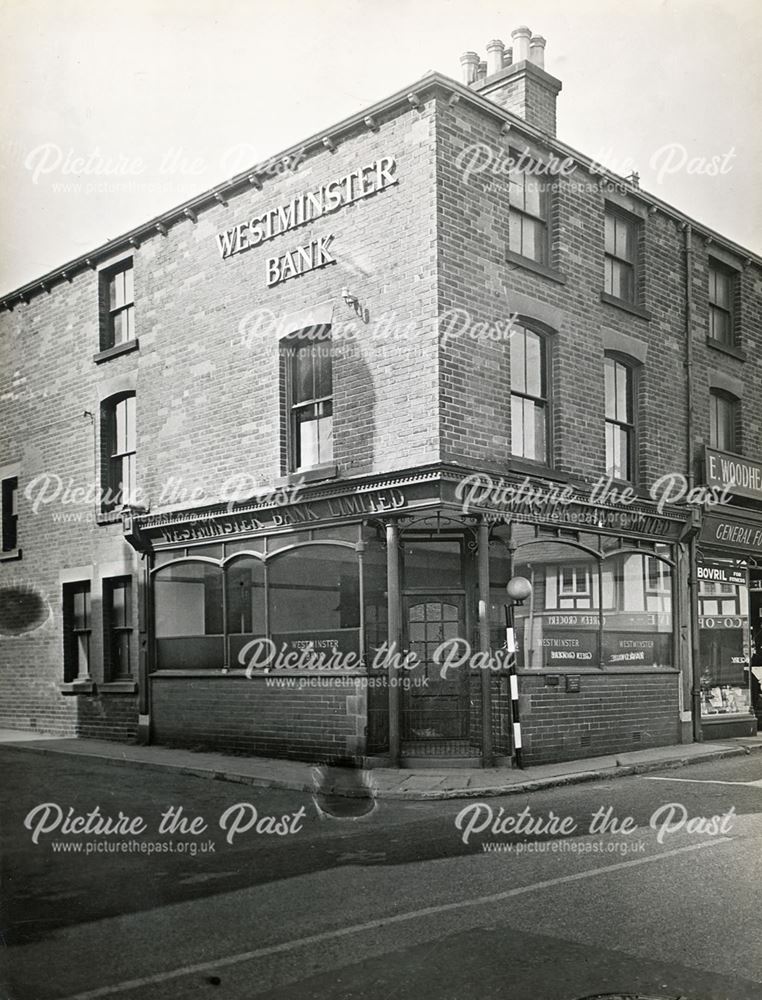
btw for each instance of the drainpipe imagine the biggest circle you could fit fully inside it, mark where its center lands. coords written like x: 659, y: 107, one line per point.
x: 693, y: 572
x: 394, y: 631
x: 484, y: 644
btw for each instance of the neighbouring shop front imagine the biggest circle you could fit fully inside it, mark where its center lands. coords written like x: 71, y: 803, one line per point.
x: 367, y: 622
x: 729, y: 572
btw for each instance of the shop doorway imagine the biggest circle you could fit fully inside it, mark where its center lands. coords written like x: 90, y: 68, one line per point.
x: 435, y: 709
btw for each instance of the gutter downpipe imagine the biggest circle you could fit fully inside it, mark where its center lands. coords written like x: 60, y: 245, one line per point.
x: 692, y: 555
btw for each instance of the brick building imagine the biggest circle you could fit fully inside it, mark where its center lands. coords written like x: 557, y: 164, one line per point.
x: 270, y: 460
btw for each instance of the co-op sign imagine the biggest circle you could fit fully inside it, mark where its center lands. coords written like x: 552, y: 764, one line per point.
x: 304, y: 208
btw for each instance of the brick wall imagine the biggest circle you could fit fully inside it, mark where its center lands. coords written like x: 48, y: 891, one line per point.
x: 207, y: 385
x: 609, y: 714
x: 207, y: 370
x: 238, y: 715
x: 477, y: 280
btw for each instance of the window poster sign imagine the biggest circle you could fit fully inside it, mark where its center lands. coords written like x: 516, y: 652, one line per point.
x: 721, y: 572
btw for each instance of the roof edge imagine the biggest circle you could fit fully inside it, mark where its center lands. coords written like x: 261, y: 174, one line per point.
x: 159, y: 224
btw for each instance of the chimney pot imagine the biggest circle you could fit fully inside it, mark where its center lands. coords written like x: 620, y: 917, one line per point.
x: 521, y: 38
x: 469, y: 63
x: 507, y: 57
x: 537, y: 50
x: 495, y: 50
x: 481, y: 72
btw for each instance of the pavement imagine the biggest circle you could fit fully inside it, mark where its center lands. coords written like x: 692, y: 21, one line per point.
x: 382, y: 783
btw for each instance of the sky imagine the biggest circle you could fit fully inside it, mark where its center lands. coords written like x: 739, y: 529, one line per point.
x: 114, y: 112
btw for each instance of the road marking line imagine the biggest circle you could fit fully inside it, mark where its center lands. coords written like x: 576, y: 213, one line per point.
x: 428, y: 911
x: 704, y: 781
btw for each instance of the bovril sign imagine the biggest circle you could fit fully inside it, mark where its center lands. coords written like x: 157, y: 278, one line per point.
x: 716, y: 572
x: 302, y: 209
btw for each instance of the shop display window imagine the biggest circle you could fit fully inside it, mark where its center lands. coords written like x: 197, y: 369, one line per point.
x: 724, y: 648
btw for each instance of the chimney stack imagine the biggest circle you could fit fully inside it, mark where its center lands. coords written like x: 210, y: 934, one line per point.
x: 537, y: 51
x: 521, y: 37
x: 516, y: 78
x: 495, y: 50
x: 469, y: 62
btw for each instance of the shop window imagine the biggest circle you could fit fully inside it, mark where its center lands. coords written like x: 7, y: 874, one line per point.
x: 118, y: 445
x: 528, y: 221
x: 310, y: 400
x: 118, y: 305
x: 721, y: 301
x: 723, y: 420
x: 558, y: 624
x: 621, y: 255
x: 313, y: 587
x: 9, y: 501
x: 188, y: 616
x: 723, y: 621
x: 245, y: 603
x: 117, y: 627
x: 620, y: 379
x: 638, y: 619
x: 587, y: 612
x: 529, y: 395
x: 432, y: 564
x: 77, y: 627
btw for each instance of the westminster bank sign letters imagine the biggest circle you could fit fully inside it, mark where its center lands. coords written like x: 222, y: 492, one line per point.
x: 304, y: 208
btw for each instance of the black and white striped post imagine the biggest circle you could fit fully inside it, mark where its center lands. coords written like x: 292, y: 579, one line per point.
x: 518, y: 588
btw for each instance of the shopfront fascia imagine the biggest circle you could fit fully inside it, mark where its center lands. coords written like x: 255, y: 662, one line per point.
x: 729, y: 619
x: 399, y: 578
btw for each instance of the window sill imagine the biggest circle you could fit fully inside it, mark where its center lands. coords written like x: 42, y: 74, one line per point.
x: 729, y: 349
x: 114, y: 352
x: 630, y: 307
x: 109, y: 517
x: 77, y: 687
x: 10, y: 555
x: 312, y: 475
x: 119, y: 687
x: 541, y: 469
x: 535, y: 267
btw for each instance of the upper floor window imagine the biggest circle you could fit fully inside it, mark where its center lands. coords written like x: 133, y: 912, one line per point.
x: 118, y: 290
x: 528, y: 222
x: 529, y: 395
x: 76, y: 628
x: 9, y: 502
x: 621, y: 254
x: 721, y: 289
x: 118, y: 437
x: 620, y: 418
x: 723, y: 413
x: 310, y: 397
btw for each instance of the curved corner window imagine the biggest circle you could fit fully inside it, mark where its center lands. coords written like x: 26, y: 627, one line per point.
x: 584, y: 611
x: 529, y: 395
x: 188, y: 616
x: 245, y: 603
x: 314, y: 593
x: 638, y: 613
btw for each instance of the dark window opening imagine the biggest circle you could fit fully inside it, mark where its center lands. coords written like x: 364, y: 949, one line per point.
x: 77, y: 628
x: 10, y: 513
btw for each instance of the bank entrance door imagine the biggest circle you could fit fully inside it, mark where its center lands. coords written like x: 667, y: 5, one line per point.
x: 435, y: 710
